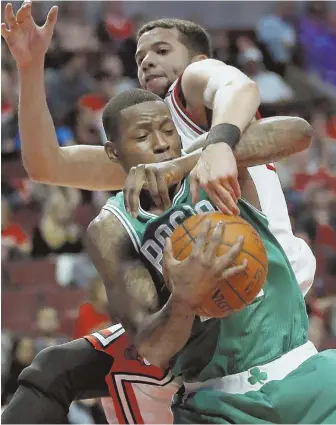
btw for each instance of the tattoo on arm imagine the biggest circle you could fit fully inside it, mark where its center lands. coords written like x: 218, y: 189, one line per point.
x: 272, y: 139
x: 268, y: 140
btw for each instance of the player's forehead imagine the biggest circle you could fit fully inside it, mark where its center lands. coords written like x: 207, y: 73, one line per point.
x: 145, y: 114
x: 156, y: 36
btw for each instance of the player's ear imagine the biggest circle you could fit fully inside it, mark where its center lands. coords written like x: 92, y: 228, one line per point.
x: 198, y: 58
x: 111, y: 150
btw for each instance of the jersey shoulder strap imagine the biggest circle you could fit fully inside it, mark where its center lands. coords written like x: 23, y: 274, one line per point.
x: 134, y: 228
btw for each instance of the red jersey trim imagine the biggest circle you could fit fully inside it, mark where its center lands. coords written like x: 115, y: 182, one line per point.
x: 126, y: 372
x: 271, y: 167
x: 181, y: 111
x: 103, y: 339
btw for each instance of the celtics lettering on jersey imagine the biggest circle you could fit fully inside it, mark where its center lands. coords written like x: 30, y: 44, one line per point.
x: 271, y: 326
x: 156, y: 234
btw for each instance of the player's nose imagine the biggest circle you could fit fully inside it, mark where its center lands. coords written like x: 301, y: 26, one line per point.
x: 160, y: 145
x: 148, y: 62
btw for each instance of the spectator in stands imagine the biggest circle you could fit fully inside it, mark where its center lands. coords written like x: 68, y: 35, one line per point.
x: 93, y: 315
x: 318, y: 11
x: 273, y: 88
x: 48, y: 329
x: 110, y: 82
x: 8, y: 191
x: 276, y: 31
x: 316, y: 209
x: 128, y: 47
x: 57, y: 231
x: 221, y: 47
x: 74, y: 31
x: 321, y: 316
x: 113, y: 65
x: 66, y: 85
x: 84, y: 121
x: 115, y: 26
x: 14, y: 242
x: 323, y: 120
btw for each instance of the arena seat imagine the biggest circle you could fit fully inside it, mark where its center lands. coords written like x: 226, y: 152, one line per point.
x: 35, y: 273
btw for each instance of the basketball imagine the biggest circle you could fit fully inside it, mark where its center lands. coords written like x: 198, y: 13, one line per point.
x: 237, y: 292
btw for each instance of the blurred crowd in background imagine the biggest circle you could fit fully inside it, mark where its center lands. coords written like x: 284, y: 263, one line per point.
x: 50, y: 290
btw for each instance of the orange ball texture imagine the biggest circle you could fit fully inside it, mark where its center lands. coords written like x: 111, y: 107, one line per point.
x: 237, y: 292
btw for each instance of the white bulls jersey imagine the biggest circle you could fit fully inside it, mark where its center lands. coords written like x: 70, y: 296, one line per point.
x: 140, y: 392
x: 271, y: 197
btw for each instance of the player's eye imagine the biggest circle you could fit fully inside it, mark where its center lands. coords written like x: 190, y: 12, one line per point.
x: 163, y: 51
x: 169, y: 132
x: 141, y: 138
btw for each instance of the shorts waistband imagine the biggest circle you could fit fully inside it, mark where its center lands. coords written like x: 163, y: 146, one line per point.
x: 254, y: 378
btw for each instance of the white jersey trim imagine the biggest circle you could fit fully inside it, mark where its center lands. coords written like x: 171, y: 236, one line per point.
x: 120, y: 379
x: 131, y: 232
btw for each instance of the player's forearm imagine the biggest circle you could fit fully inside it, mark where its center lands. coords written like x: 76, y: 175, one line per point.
x: 266, y: 140
x: 39, y: 143
x: 163, y: 334
x: 272, y: 139
x: 235, y: 104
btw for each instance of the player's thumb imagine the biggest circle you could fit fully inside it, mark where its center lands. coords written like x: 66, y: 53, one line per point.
x: 168, y: 255
x: 51, y: 19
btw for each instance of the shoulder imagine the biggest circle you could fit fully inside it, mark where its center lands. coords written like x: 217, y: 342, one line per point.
x: 106, y: 230
x: 202, y: 68
x: 207, y: 76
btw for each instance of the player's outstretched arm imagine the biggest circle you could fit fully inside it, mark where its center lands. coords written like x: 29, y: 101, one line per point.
x: 85, y: 167
x: 157, y: 333
x: 268, y: 140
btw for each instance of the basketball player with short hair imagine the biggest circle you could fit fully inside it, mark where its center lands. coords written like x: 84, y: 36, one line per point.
x: 145, y: 386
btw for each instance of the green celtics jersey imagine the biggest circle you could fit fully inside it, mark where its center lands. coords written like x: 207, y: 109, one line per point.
x: 275, y: 323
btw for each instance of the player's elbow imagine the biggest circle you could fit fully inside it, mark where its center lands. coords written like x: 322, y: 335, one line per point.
x: 38, y: 172
x: 251, y: 90
x: 244, y: 90
x: 301, y: 134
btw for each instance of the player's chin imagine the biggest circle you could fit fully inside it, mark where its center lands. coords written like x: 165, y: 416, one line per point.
x: 158, y: 86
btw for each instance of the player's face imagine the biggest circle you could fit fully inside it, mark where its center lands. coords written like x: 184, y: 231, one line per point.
x: 148, y: 136
x: 161, y: 58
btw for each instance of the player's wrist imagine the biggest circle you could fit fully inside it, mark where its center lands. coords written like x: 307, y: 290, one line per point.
x: 225, y: 133
x: 31, y: 68
x: 181, y: 304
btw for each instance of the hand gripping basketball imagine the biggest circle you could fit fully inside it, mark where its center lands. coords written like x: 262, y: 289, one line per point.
x: 193, y: 278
